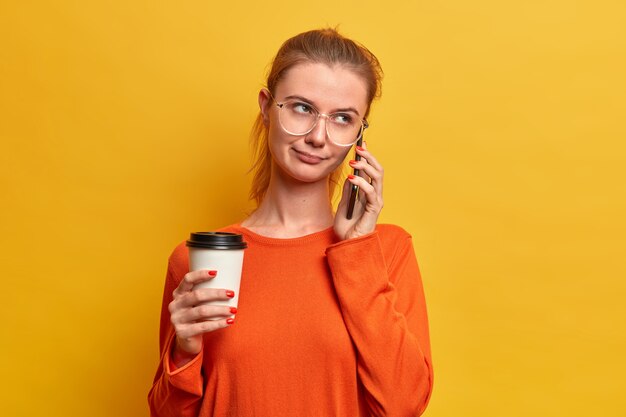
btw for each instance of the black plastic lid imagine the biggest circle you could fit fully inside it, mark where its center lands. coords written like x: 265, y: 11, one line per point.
x: 216, y: 240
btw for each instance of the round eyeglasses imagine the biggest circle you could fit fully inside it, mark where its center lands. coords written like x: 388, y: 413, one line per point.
x: 298, y: 118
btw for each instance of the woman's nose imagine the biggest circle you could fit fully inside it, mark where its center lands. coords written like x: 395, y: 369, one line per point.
x: 317, y: 136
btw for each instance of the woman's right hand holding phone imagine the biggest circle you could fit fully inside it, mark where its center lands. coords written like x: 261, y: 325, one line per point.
x: 370, y: 201
x: 191, y: 317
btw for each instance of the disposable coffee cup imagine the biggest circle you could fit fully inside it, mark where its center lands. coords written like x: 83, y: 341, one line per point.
x: 222, y: 252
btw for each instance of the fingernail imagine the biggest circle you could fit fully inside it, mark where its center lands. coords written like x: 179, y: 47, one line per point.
x: 233, y: 310
x: 230, y: 321
x: 212, y: 273
x: 360, y: 148
x: 352, y: 161
x: 351, y: 176
x: 230, y: 293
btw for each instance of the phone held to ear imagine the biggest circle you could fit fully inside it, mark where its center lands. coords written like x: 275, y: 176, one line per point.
x: 354, y: 189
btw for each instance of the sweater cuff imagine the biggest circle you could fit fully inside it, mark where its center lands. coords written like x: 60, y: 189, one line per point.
x: 188, y: 377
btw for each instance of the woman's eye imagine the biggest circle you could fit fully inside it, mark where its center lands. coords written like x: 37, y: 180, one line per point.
x: 301, y: 108
x: 342, y: 118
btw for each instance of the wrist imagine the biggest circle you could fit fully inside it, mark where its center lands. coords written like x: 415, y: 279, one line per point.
x: 357, y: 233
x: 181, y: 357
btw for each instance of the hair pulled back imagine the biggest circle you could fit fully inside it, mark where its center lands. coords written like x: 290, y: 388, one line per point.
x: 325, y: 46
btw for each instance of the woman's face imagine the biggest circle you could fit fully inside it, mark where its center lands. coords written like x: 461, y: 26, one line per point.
x: 312, y: 157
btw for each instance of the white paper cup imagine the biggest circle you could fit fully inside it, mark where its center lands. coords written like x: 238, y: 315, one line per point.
x: 222, y: 252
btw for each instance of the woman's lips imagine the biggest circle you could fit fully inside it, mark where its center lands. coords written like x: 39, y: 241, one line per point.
x: 307, y: 158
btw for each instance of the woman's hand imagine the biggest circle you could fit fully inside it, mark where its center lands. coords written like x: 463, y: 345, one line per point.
x: 370, y: 201
x: 192, y: 318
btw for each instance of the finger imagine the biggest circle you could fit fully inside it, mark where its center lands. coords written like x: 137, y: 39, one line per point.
x: 361, y: 182
x: 194, y: 329
x: 203, y: 295
x: 204, y: 312
x: 374, y: 170
x: 371, y: 175
x: 366, y: 188
x: 367, y: 171
x: 198, y: 296
x: 192, y: 278
x: 369, y: 157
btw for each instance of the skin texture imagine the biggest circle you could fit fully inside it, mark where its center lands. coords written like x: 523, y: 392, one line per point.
x: 296, y: 202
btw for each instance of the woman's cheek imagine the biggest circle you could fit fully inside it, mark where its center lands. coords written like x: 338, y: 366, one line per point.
x: 345, y: 153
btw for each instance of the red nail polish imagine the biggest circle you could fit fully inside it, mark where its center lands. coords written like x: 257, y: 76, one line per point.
x: 351, y: 176
x: 360, y: 148
x: 212, y: 273
x: 352, y: 161
x: 230, y: 321
x: 233, y: 310
x: 230, y: 293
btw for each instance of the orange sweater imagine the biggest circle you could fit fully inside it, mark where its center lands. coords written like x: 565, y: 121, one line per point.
x: 323, y: 328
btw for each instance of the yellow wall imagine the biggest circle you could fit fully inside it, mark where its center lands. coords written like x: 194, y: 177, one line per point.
x: 124, y: 127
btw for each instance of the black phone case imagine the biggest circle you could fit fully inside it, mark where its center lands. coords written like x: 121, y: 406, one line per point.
x: 354, y: 189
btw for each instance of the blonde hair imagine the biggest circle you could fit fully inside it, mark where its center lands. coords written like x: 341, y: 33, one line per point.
x: 324, y: 46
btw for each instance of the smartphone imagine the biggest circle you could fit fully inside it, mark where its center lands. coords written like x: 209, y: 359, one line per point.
x: 354, y: 189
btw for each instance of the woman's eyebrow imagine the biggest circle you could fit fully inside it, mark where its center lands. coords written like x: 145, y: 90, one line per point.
x: 306, y: 100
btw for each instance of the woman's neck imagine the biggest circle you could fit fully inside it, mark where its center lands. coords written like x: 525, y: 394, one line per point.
x: 292, y: 208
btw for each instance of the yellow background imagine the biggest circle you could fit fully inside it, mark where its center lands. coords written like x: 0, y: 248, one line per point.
x: 124, y: 127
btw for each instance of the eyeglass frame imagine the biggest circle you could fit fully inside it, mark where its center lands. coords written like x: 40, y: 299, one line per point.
x: 364, y: 123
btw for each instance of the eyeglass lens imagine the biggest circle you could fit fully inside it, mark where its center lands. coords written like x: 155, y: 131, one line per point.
x: 299, y: 118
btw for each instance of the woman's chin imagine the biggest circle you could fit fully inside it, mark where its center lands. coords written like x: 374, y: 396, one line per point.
x: 308, y: 175
x: 309, y: 178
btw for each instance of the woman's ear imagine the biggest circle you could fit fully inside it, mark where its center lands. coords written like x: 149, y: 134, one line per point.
x: 265, y: 101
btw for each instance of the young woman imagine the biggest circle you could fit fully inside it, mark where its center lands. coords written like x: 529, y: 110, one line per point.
x: 331, y: 318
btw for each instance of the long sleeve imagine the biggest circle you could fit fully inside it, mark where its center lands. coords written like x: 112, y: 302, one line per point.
x: 175, y: 392
x: 380, y: 293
